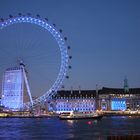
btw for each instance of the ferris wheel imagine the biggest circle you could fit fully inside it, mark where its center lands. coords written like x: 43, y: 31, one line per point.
x: 56, y: 36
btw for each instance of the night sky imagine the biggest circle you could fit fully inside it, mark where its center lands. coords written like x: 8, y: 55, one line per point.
x: 104, y: 36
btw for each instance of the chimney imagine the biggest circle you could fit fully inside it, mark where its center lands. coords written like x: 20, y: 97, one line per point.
x: 96, y: 90
x: 71, y: 89
x: 79, y: 89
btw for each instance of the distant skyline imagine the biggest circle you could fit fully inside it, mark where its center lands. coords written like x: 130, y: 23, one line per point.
x: 104, y: 36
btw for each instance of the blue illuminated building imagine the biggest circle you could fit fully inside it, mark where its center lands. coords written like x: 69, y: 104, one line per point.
x: 105, y: 99
x: 116, y: 99
x: 12, y: 89
x: 67, y: 101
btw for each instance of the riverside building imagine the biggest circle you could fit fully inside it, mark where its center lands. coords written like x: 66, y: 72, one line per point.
x: 115, y: 99
x: 77, y: 100
x: 105, y: 99
x: 12, y: 88
x: 15, y: 88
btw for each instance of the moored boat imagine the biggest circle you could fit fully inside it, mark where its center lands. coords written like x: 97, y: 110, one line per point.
x: 80, y: 115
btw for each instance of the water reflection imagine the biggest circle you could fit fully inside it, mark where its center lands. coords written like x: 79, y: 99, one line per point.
x: 89, y: 122
x: 55, y: 129
x: 92, y: 122
x: 70, y: 122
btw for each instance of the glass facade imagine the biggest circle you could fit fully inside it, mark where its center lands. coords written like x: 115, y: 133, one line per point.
x: 12, y: 90
x: 118, y: 104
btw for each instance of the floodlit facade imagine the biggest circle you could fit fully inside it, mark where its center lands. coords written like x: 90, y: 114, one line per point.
x: 105, y: 99
x: 116, y: 99
x: 119, y: 104
x: 12, y: 89
x: 67, y: 101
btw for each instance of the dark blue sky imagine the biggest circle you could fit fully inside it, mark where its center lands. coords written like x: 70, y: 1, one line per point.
x: 104, y: 36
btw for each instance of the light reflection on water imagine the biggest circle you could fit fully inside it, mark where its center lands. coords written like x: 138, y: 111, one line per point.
x: 55, y: 129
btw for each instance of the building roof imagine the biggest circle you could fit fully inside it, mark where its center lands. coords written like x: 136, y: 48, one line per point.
x: 75, y: 93
x: 106, y: 90
x: 13, y: 68
x: 92, y: 93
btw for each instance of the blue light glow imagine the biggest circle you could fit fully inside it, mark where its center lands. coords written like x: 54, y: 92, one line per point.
x: 12, y: 94
x: 119, y: 104
x: 80, y: 105
x: 62, y: 46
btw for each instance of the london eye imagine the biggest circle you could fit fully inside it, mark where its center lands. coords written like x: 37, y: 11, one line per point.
x: 40, y: 49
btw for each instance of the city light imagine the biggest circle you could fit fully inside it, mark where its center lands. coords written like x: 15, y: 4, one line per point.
x: 118, y: 105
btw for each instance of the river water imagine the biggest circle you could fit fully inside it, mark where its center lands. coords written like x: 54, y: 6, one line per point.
x: 55, y: 129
